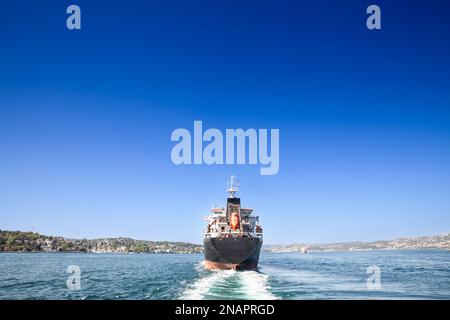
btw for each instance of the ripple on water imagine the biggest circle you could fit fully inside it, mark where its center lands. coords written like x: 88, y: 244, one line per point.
x: 404, y: 275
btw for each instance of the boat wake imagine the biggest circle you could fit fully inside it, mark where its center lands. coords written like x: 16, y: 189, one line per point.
x: 228, y: 284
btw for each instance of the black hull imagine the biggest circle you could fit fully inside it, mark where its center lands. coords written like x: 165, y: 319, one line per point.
x: 232, y: 253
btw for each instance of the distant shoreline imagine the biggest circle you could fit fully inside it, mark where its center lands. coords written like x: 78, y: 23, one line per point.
x: 18, y: 241
x: 101, y: 253
x: 429, y: 242
x: 263, y: 251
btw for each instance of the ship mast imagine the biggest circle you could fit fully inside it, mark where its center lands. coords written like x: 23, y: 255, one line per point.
x: 233, y: 186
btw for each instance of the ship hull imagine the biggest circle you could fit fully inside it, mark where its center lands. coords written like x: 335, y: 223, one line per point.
x: 232, y: 253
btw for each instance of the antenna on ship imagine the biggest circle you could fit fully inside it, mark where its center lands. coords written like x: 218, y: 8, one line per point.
x: 233, y: 186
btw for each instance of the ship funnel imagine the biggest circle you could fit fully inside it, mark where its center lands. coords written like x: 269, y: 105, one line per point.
x: 233, y: 186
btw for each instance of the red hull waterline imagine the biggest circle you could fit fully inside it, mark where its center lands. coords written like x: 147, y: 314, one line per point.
x: 228, y: 266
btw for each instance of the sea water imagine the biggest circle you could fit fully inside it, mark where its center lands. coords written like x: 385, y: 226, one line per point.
x: 403, y: 274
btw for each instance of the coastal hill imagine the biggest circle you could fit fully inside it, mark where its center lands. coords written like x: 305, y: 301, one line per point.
x: 17, y: 241
x: 431, y: 242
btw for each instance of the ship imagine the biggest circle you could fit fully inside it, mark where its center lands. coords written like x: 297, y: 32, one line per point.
x: 233, y: 237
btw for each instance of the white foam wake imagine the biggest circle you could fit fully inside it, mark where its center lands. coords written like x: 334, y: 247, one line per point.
x: 229, y: 284
x: 255, y: 285
x: 200, y: 288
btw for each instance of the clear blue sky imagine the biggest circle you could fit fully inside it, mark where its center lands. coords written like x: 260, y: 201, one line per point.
x: 86, y: 116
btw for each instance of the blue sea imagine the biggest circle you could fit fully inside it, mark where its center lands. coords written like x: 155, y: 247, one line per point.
x: 401, y: 274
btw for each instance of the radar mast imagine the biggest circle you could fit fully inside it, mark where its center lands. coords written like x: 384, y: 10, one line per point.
x: 233, y: 186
